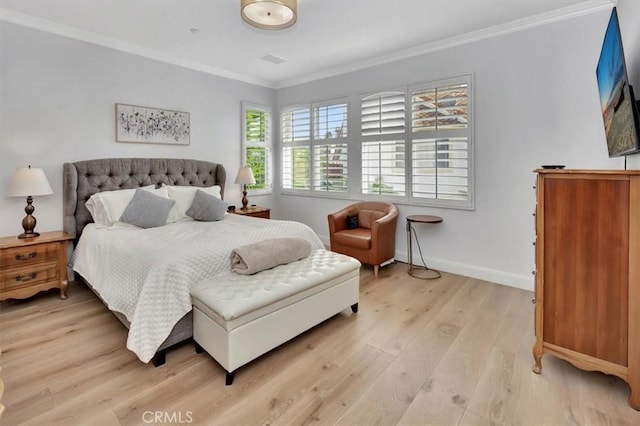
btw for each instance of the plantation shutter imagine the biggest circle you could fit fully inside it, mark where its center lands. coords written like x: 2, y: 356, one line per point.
x: 330, y: 148
x: 383, y: 114
x: 383, y: 144
x: 440, y: 137
x: 258, y: 146
x: 296, y: 139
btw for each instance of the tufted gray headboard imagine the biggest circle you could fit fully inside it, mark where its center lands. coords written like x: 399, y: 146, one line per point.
x: 82, y: 179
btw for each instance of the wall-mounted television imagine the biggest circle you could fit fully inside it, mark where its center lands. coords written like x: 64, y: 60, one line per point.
x: 619, y: 107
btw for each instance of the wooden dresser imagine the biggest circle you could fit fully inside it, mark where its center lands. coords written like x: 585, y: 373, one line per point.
x: 587, y: 289
x: 31, y: 265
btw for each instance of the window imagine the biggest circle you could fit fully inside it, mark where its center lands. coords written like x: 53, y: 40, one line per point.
x: 314, y: 148
x: 383, y: 168
x: 296, y: 156
x: 330, y: 168
x: 330, y: 148
x: 257, y: 150
x: 439, y: 139
x: 382, y: 120
x: 413, y: 145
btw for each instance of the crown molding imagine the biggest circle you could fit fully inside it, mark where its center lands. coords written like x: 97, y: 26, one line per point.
x: 568, y: 12
x: 89, y: 37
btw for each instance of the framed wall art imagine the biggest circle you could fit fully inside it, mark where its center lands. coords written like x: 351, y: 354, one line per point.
x: 152, y: 125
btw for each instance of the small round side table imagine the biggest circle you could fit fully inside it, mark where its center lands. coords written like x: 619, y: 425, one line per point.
x: 419, y: 218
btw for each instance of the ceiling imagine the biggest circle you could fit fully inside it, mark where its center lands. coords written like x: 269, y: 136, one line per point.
x: 330, y: 37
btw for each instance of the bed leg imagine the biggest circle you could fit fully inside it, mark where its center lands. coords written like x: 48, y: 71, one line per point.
x: 229, y: 379
x: 199, y: 349
x: 159, y: 358
x: 354, y: 308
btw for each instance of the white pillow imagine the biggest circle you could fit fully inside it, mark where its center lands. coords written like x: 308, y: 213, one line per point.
x: 183, y: 195
x: 107, y: 207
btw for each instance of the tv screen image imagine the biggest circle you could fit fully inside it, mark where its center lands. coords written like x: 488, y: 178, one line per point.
x: 616, y: 97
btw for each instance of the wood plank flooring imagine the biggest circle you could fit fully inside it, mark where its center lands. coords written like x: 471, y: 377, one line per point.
x: 450, y: 351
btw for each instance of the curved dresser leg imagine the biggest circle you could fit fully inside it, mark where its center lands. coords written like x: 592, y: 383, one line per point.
x: 354, y: 308
x: 537, y: 357
x: 634, y: 397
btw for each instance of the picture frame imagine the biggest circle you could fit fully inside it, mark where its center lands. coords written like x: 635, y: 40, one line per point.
x: 138, y: 124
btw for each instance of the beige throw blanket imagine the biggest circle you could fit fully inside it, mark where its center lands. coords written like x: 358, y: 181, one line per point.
x: 266, y: 254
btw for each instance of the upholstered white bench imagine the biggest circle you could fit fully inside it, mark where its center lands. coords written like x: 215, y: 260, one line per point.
x: 237, y: 318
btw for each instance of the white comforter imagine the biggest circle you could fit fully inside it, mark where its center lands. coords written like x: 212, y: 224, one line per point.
x: 147, y: 274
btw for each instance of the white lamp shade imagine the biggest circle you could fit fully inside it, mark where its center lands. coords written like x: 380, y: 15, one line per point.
x: 245, y: 176
x: 28, y: 181
x: 269, y: 14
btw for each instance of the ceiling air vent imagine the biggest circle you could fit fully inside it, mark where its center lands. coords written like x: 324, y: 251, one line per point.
x: 273, y: 59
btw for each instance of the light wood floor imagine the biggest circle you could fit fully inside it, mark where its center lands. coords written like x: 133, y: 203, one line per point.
x: 450, y: 351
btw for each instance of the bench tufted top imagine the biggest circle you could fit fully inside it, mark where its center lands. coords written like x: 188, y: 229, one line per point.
x: 82, y: 179
x: 233, y: 296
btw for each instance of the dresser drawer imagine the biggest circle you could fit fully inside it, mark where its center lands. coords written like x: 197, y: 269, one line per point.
x: 29, y: 255
x: 28, y: 276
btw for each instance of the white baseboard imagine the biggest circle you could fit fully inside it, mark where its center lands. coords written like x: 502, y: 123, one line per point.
x: 473, y: 271
x: 510, y: 279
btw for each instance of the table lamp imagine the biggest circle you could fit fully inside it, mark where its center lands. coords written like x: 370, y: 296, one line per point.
x: 29, y: 182
x: 245, y: 177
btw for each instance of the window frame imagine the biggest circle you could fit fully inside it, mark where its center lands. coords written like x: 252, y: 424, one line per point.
x: 268, y: 145
x: 468, y: 132
x: 355, y: 140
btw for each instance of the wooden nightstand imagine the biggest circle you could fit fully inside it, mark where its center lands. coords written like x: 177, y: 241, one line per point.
x: 31, y: 265
x: 255, y: 211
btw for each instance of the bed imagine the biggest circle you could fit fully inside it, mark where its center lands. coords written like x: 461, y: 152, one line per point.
x: 145, y: 284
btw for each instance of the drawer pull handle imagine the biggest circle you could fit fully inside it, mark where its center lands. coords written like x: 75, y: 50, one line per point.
x: 29, y: 256
x: 26, y: 278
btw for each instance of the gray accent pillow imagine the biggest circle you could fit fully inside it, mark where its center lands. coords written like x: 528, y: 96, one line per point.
x: 206, y: 208
x: 147, y: 210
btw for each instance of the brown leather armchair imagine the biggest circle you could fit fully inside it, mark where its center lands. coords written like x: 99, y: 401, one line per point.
x: 374, y: 240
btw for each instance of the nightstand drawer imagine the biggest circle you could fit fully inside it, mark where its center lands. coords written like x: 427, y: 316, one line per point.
x: 29, y: 255
x: 254, y: 211
x: 28, y: 276
x: 264, y: 215
x: 31, y: 265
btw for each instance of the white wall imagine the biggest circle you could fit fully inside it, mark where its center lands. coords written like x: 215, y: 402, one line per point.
x: 57, y: 105
x: 536, y: 102
x: 629, y: 17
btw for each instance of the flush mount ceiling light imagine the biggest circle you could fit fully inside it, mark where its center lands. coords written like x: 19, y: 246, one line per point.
x: 269, y: 14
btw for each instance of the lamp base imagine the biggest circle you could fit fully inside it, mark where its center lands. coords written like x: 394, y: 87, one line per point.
x: 29, y: 221
x: 28, y: 235
x: 245, y: 199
